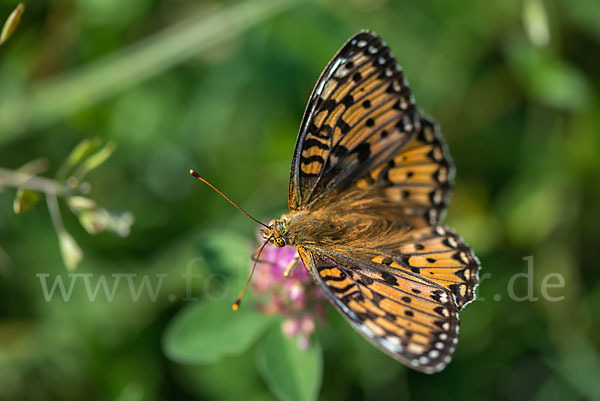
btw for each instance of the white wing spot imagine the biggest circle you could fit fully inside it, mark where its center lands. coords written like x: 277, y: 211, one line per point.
x: 395, y: 341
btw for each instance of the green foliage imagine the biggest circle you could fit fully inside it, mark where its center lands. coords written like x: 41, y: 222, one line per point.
x: 68, y: 183
x: 25, y: 199
x: 11, y: 23
x: 221, y: 87
x: 291, y: 373
x: 209, y: 331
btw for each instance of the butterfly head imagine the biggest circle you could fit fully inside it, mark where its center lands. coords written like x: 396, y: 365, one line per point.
x: 277, y: 232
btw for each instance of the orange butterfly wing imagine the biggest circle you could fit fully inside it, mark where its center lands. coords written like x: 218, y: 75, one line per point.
x: 400, y: 322
x: 418, y: 179
x: 359, y: 115
x: 362, y: 139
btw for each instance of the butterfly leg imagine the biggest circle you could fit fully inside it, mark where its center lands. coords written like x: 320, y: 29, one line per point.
x: 290, y: 266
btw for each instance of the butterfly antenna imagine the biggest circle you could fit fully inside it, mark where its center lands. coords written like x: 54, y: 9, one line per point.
x: 195, y: 174
x: 236, y: 304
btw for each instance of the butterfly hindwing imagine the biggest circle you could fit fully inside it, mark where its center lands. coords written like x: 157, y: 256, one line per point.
x: 360, y: 114
x: 409, y: 317
x: 438, y: 254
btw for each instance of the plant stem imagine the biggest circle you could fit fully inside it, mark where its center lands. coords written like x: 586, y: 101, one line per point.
x: 54, y: 210
x: 17, y: 179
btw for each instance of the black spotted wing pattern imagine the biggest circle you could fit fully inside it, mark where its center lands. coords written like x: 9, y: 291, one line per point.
x: 359, y: 115
x: 411, y: 318
x: 418, y: 179
x: 436, y: 253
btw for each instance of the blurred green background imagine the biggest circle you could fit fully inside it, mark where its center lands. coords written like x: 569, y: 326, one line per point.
x: 221, y: 87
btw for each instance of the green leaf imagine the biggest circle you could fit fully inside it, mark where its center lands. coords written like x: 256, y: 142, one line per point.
x: 11, y: 23
x: 79, y: 152
x: 25, y: 200
x: 227, y: 253
x: 96, y: 160
x: 535, y: 20
x: 208, y: 331
x: 292, y: 374
x: 70, y: 251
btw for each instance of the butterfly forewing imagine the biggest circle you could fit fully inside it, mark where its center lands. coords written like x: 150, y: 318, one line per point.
x: 359, y: 115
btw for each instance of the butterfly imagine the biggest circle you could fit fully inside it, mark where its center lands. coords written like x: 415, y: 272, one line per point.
x: 369, y: 184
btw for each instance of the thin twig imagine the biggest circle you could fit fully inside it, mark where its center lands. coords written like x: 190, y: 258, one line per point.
x: 17, y: 179
x: 54, y: 210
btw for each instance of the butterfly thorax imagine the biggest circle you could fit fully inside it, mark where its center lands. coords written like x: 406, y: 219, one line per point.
x: 300, y: 228
x: 288, y: 230
x: 333, y: 227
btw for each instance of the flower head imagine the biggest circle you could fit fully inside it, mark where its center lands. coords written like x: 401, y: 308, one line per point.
x: 295, y: 297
